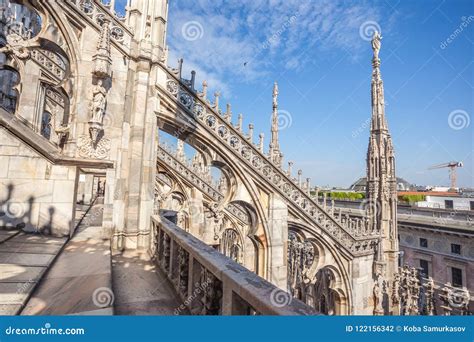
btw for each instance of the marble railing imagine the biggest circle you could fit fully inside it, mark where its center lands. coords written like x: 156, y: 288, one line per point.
x: 194, y: 178
x: 97, y: 12
x: 355, y: 240
x: 209, y: 283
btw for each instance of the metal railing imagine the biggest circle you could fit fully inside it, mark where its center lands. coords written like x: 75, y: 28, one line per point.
x: 209, y: 283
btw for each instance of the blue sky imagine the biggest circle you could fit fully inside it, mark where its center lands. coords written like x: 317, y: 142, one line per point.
x: 319, y: 53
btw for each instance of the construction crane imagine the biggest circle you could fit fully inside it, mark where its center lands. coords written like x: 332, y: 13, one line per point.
x: 452, y: 171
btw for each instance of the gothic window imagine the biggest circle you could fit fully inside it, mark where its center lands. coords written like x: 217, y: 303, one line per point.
x: 9, y: 79
x: 54, y: 117
x: 231, y: 245
x: 326, y: 298
x: 46, y: 125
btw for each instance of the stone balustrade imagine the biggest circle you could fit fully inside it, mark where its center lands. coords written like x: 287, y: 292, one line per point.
x: 210, y: 283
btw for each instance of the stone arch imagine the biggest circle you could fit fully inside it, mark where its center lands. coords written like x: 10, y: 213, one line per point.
x: 328, y: 295
x: 327, y: 258
x: 251, y: 242
x: 177, y: 125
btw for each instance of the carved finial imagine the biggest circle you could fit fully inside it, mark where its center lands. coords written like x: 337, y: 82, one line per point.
x: 180, y: 67
x: 290, y: 166
x: 180, y: 150
x: 204, y: 89
x: 260, y: 142
x: 216, y: 101
x: 275, y: 95
x: 164, y: 56
x: 300, y: 174
x: 193, y: 79
x: 102, y: 59
x: 241, y: 121
x: 308, y: 185
x: 250, y: 137
x: 228, y: 114
x: 274, y: 153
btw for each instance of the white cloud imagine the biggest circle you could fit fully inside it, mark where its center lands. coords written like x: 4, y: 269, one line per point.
x: 245, y: 40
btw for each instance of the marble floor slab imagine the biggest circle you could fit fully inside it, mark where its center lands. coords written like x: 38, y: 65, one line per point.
x: 47, y: 240
x: 35, y: 248
x: 6, y: 235
x: 80, y: 280
x: 25, y: 259
x: 15, y: 273
x: 141, y: 288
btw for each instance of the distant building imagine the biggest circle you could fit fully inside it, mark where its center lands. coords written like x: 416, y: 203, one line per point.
x: 447, y: 202
x: 361, y: 185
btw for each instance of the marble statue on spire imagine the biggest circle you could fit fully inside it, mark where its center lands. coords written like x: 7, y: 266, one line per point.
x: 376, y: 44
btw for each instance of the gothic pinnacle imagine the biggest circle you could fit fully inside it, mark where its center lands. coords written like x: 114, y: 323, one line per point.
x: 228, y: 115
x: 274, y: 153
x: 216, y: 101
x: 193, y: 79
x: 204, y: 89
x: 260, y: 142
x: 180, y: 67
x: 241, y: 121
x: 290, y: 165
x: 250, y: 137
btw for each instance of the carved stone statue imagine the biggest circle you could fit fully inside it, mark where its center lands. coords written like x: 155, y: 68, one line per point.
x: 396, y: 289
x: 99, y: 102
x: 376, y: 44
x: 378, y: 294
